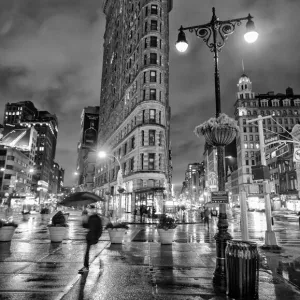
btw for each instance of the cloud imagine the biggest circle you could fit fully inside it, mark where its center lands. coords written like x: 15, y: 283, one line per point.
x: 52, y: 55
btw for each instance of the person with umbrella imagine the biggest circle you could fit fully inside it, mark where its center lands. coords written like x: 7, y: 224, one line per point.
x: 94, y: 225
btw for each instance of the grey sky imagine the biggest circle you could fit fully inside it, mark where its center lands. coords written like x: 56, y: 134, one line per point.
x: 51, y: 54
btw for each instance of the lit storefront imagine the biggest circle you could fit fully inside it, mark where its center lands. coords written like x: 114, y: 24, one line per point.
x: 150, y: 198
x: 293, y: 203
x: 256, y: 203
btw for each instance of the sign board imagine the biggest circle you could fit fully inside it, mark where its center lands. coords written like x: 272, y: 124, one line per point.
x: 219, y: 197
x: 282, y: 150
x: 271, y: 139
x: 296, y: 132
x: 296, y: 155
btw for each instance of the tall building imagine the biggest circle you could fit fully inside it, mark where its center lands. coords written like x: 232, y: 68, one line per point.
x: 15, y: 172
x: 18, y: 112
x: 284, y: 110
x: 56, y: 179
x: 193, y: 185
x: 134, y: 123
x: 86, y: 149
x: 24, y: 114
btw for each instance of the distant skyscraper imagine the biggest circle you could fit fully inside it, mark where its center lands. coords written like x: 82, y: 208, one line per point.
x: 24, y: 114
x: 134, y: 104
x: 87, y: 144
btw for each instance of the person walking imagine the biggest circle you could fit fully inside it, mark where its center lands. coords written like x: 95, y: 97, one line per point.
x: 94, y: 225
x: 141, y: 212
x: 206, y: 217
x: 135, y: 213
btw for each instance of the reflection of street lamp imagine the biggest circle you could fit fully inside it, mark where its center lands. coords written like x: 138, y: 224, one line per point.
x: 214, y: 34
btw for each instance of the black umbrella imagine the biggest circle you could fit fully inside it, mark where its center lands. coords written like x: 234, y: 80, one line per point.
x: 80, y: 199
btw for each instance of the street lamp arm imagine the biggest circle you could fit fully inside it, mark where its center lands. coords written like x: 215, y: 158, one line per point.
x: 210, y: 32
x: 111, y: 157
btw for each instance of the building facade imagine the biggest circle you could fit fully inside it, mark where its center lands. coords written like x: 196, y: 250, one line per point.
x: 24, y: 114
x: 86, y: 149
x: 134, y: 125
x: 15, y: 172
x: 284, y: 112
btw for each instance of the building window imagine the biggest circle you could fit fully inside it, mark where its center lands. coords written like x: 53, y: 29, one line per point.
x: 151, y: 161
x: 142, y: 161
x: 125, y: 148
x: 152, y: 94
x: 159, y: 117
x: 143, y: 138
x: 153, y: 41
x: 152, y: 116
x: 153, y: 58
x: 145, y: 59
x: 152, y: 76
x: 160, y: 138
x: 144, y: 113
x: 146, y: 27
x: 133, y: 142
x: 151, y: 137
x: 245, y: 138
x: 154, y: 10
x: 153, y: 25
x: 144, y: 94
x: 132, y: 164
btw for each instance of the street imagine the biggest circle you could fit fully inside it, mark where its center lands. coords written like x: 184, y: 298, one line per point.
x: 33, y: 268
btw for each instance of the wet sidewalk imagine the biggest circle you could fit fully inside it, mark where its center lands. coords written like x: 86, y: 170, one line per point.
x: 141, y: 268
x: 132, y: 270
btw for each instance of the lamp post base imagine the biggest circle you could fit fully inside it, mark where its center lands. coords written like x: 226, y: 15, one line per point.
x: 270, y: 241
x: 221, y: 237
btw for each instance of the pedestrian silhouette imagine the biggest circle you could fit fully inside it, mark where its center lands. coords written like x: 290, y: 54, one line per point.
x: 94, y: 225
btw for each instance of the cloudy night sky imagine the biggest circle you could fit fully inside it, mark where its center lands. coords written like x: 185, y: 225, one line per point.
x: 51, y: 54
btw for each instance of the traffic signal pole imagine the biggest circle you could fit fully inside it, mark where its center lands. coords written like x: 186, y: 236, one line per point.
x: 270, y: 237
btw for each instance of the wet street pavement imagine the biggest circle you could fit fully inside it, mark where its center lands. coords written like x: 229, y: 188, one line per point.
x: 33, y: 268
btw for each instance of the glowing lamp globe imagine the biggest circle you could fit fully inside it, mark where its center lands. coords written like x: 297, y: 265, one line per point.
x: 251, y: 35
x: 181, y: 44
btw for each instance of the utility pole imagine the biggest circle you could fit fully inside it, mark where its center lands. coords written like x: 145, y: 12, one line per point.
x: 270, y: 237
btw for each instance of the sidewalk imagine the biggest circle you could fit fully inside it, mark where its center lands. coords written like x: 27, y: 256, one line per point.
x: 151, y: 271
x: 132, y: 270
x: 33, y: 268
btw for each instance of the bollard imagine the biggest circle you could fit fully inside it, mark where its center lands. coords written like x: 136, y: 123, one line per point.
x: 242, y: 269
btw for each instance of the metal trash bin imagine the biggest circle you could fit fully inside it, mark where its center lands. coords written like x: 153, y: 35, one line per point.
x: 242, y: 269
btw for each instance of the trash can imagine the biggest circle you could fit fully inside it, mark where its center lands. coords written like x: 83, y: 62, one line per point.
x: 242, y: 269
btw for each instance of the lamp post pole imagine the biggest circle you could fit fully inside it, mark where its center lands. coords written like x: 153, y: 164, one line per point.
x: 214, y: 34
x: 103, y: 154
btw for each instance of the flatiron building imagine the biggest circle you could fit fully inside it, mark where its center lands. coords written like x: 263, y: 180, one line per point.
x: 134, y: 117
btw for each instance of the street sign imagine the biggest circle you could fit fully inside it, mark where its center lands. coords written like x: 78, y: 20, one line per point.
x: 219, y: 197
x: 296, y: 155
x: 282, y: 150
x: 296, y: 132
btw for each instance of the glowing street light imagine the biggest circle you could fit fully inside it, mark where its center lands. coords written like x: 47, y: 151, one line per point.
x: 214, y: 34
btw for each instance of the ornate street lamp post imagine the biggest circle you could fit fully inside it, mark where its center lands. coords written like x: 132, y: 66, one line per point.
x: 214, y: 34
